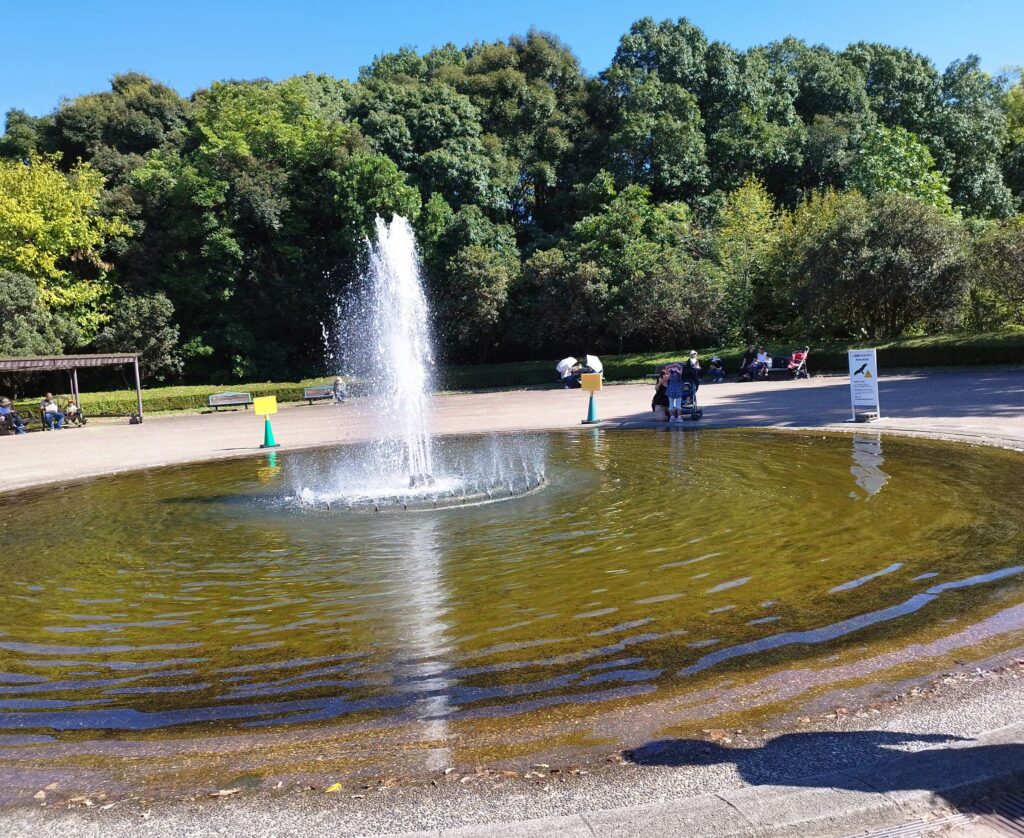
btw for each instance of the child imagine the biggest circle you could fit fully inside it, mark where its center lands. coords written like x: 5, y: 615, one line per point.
x: 674, y: 391
x: 73, y: 414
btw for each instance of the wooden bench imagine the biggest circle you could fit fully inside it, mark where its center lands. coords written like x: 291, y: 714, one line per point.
x: 219, y: 400
x: 312, y: 394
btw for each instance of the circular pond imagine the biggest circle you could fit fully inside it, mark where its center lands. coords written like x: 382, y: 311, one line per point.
x: 696, y: 575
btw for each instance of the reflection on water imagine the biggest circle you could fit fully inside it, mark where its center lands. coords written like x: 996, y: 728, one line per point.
x: 652, y: 563
x: 867, y: 464
x: 420, y: 605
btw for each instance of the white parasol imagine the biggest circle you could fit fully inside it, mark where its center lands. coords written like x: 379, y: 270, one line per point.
x: 594, y: 363
x: 565, y: 365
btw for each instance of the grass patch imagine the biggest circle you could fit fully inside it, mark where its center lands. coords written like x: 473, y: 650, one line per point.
x: 930, y: 351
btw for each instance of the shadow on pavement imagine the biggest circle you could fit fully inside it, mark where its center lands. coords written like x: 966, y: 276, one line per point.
x: 858, y: 761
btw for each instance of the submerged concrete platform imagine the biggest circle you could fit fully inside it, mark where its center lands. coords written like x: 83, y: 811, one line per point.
x: 920, y: 758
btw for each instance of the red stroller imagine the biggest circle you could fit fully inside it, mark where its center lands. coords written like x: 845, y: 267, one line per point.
x: 797, y: 365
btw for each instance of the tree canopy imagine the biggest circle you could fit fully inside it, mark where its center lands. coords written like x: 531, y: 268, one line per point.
x: 688, y: 192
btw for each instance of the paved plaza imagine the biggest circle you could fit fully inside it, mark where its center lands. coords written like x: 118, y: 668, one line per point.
x: 974, y: 405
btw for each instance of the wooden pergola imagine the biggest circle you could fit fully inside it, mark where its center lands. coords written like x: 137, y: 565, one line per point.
x: 72, y: 364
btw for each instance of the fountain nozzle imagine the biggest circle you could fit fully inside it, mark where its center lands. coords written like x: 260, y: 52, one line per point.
x: 417, y: 481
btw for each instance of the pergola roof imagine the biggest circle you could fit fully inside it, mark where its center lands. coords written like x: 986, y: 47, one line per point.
x: 44, y: 363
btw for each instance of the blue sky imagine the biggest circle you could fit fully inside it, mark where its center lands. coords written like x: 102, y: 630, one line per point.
x: 61, y: 48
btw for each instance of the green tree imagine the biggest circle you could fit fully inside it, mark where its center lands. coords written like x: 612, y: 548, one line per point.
x: 972, y: 126
x: 471, y: 267
x: 657, y: 289
x: 892, y: 160
x: 475, y: 291
x: 876, y: 268
x: 747, y: 235
x: 26, y: 328
x: 266, y: 212
x: 559, y: 299
x: 145, y: 325
x: 51, y: 229
x: 657, y: 139
x: 997, y: 275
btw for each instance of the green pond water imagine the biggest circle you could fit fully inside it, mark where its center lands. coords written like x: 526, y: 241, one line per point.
x: 200, y: 599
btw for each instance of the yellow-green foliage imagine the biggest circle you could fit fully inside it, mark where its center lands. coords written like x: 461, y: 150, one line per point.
x: 49, y: 220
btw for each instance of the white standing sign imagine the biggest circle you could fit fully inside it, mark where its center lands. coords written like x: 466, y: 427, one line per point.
x: 864, y: 382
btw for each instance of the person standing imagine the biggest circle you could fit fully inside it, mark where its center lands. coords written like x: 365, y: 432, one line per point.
x: 51, y: 412
x: 674, y: 391
x: 691, y: 376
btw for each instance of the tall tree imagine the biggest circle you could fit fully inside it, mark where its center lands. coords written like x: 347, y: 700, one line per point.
x: 52, y: 230
x: 747, y: 235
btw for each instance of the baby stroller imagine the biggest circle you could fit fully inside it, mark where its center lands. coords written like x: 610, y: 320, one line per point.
x: 797, y: 365
x: 691, y: 410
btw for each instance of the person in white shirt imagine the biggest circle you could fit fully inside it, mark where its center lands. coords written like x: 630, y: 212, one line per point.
x: 51, y: 413
x: 763, y: 362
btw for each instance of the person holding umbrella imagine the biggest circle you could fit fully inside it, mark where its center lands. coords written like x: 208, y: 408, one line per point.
x: 565, y: 369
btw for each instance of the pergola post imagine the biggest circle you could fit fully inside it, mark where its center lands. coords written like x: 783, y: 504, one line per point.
x: 138, y: 386
x: 74, y: 388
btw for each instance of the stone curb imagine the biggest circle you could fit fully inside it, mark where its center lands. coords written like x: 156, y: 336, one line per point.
x: 897, y: 789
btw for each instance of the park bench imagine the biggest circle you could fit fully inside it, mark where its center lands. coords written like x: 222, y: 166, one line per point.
x: 28, y: 418
x: 219, y: 400
x: 312, y: 394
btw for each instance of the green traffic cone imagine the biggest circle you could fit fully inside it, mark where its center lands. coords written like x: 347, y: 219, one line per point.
x: 268, y: 435
x: 591, y: 413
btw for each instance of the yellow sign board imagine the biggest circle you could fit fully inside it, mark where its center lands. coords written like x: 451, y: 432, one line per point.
x: 591, y: 381
x: 264, y: 405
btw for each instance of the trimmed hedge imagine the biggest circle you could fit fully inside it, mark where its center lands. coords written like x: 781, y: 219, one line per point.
x: 931, y: 351
x: 177, y: 399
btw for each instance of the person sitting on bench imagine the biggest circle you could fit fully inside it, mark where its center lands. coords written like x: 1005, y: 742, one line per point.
x: 717, y: 370
x: 747, y: 365
x: 10, y: 416
x: 51, y: 412
x: 339, y: 391
x: 73, y: 414
x: 762, y: 364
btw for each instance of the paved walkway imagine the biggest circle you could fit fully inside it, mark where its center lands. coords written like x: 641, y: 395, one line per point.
x: 977, y: 405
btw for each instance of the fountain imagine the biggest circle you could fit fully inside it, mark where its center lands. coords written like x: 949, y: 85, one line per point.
x: 383, y: 331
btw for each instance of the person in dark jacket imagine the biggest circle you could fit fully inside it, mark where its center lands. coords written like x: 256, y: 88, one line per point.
x: 748, y: 364
x: 659, y: 404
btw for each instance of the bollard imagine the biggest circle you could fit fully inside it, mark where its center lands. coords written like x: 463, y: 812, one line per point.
x: 592, y: 413
x: 268, y: 435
